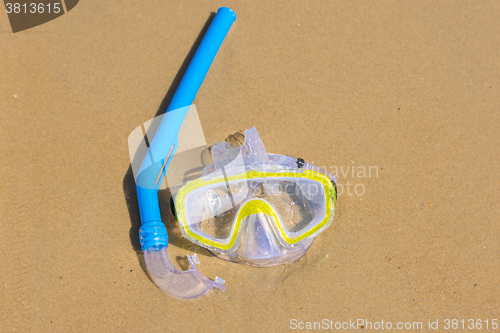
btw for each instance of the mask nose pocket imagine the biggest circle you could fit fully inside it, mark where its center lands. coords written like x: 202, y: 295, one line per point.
x: 259, y: 238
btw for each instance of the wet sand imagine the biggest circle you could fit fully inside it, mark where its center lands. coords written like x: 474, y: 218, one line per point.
x: 409, y: 93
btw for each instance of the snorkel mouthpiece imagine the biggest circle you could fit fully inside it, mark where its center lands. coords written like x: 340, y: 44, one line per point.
x: 187, y: 284
x: 153, y: 236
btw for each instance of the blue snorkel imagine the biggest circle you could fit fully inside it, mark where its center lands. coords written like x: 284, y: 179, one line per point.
x: 153, y: 234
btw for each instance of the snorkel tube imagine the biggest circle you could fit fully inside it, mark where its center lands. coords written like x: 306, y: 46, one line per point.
x: 153, y: 234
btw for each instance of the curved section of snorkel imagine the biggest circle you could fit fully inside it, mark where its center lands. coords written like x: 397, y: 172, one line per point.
x: 181, y: 284
x: 153, y: 234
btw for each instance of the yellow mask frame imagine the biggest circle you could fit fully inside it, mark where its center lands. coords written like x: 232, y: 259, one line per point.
x: 254, y: 206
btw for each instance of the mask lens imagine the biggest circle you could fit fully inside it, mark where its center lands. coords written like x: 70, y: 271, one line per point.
x: 299, y: 202
x: 210, y: 213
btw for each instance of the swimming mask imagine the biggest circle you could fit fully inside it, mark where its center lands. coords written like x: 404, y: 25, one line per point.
x: 256, y: 208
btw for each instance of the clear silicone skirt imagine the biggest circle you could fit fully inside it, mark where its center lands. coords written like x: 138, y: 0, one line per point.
x: 256, y: 208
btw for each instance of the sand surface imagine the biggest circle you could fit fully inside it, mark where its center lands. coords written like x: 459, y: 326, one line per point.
x: 411, y: 90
